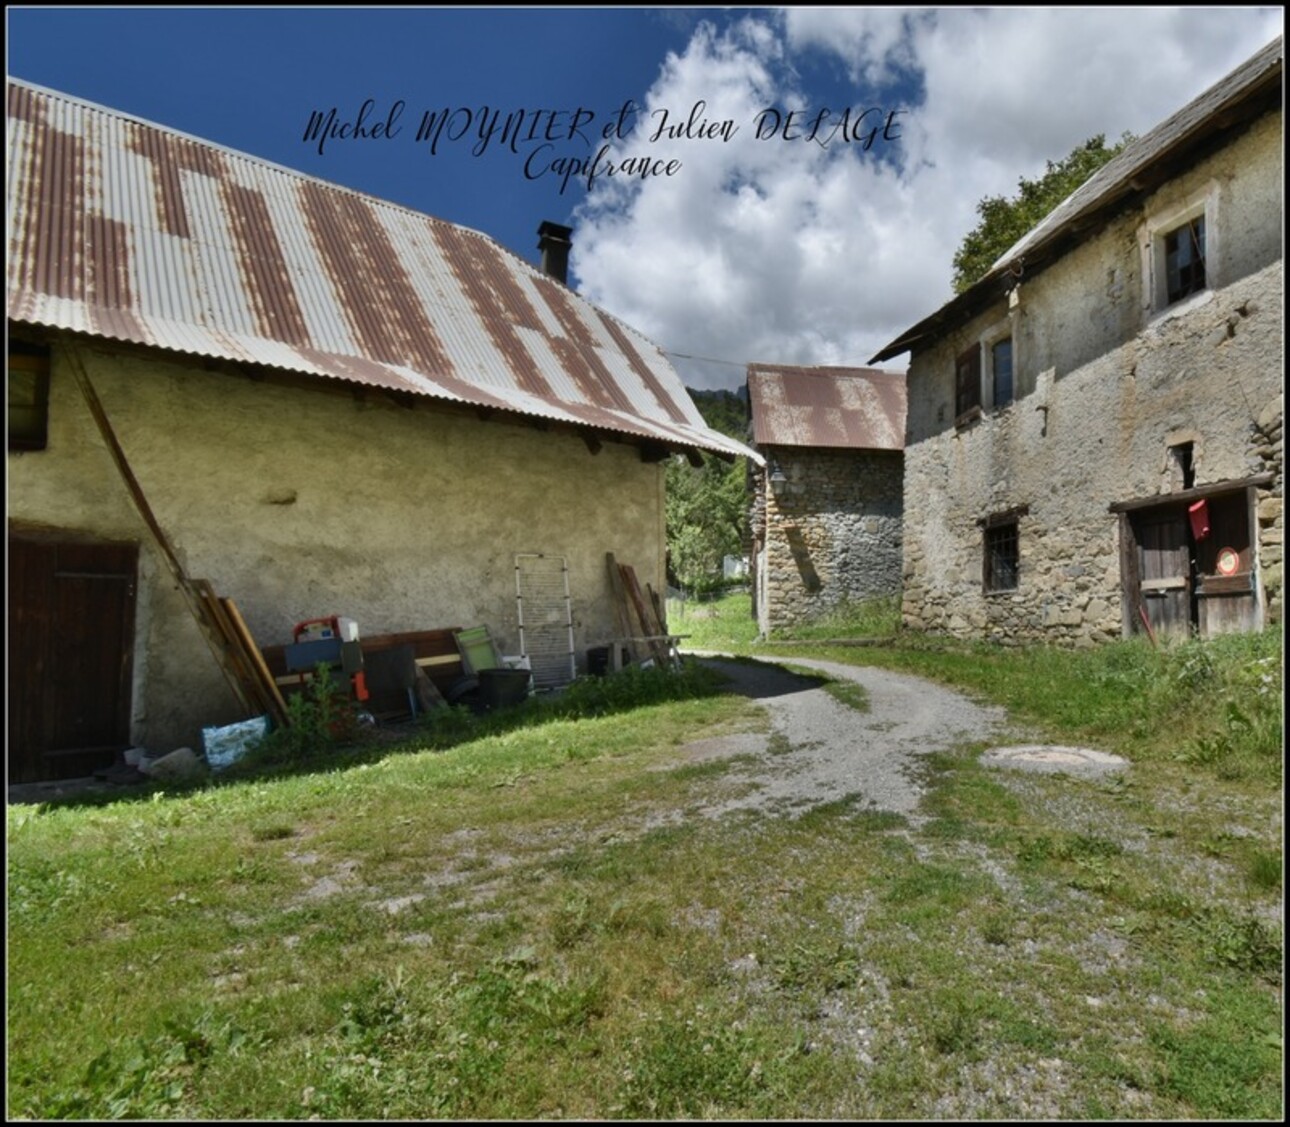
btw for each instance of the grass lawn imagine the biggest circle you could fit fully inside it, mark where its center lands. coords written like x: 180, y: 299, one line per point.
x: 537, y: 922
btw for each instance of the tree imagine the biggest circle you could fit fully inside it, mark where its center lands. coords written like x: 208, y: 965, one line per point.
x: 706, y: 506
x: 1004, y: 221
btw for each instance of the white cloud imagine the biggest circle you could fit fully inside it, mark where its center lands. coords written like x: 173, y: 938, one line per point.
x: 784, y: 251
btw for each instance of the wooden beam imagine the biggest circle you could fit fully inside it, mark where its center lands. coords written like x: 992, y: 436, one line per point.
x: 1186, y: 496
x: 205, y: 616
x: 621, y: 613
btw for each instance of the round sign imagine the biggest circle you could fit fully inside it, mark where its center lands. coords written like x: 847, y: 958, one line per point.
x: 1228, y: 561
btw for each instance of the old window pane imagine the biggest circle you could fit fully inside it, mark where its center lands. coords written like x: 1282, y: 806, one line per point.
x: 28, y: 379
x: 1002, y: 559
x: 967, y: 382
x: 1001, y: 364
x: 1185, y: 260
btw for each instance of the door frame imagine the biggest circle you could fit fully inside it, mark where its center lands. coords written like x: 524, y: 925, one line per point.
x: 1131, y: 601
x: 43, y: 646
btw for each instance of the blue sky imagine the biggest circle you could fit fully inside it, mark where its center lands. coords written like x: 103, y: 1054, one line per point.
x: 775, y: 249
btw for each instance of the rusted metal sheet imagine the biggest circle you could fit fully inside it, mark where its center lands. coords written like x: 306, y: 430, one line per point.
x: 126, y: 230
x: 851, y: 408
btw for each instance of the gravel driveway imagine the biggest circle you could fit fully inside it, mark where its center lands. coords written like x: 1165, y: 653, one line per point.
x: 839, y: 751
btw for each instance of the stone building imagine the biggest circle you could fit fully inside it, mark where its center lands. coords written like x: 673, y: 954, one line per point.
x: 827, y: 504
x: 1094, y: 443
x: 332, y: 405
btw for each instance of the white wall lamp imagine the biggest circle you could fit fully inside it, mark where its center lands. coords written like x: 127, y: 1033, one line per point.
x: 777, y: 474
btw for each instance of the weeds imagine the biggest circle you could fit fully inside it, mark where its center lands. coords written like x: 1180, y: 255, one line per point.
x: 318, y: 718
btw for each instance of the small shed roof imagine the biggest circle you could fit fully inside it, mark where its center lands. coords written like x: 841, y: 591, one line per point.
x: 850, y: 408
x: 127, y: 230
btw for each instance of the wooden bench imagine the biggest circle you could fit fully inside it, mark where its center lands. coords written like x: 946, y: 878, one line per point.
x: 435, y: 652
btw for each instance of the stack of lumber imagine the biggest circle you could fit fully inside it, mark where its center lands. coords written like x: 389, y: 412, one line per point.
x: 243, y: 664
x: 642, y: 620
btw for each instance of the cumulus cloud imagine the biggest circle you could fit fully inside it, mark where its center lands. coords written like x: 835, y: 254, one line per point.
x: 790, y: 251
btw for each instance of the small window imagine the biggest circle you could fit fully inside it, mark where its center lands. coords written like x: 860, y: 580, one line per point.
x: 1002, y: 559
x: 1185, y: 260
x: 28, y: 380
x: 1001, y: 370
x: 967, y: 384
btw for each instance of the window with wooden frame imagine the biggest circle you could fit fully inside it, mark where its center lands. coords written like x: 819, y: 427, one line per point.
x: 1184, y: 263
x: 1001, y: 371
x: 1002, y: 555
x: 967, y: 385
x: 28, y: 410
x: 1180, y: 251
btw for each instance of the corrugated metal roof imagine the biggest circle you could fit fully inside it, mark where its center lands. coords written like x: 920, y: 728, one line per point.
x: 126, y: 230
x: 1115, y: 185
x: 854, y: 408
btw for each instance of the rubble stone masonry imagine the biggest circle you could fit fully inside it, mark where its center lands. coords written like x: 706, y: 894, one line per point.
x: 832, y: 533
x: 1106, y: 388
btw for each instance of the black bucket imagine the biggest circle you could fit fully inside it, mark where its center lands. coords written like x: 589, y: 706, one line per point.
x: 501, y: 688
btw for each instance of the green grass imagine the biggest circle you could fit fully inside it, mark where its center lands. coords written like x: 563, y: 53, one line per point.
x: 724, y: 623
x: 509, y: 920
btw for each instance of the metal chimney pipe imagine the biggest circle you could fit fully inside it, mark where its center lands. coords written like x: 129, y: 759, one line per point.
x: 554, y: 241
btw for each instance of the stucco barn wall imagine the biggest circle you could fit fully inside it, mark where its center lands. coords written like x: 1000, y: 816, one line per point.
x: 1105, y: 386
x: 301, y: 503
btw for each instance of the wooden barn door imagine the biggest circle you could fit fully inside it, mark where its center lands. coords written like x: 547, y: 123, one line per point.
x: 1164, y: 570
x: 1226, y: 595
x: 71, y: 647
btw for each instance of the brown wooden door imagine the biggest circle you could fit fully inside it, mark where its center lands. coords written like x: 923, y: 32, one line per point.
x: 1226, y: 597
x: 1164, y: 568
x: 71, y: 646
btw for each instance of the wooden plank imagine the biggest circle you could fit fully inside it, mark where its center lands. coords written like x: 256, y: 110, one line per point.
x: 1132, y: 609
x: 200, y: 612
x: 621, y: 611
x: 660, y: 616
x: 1184, y: 497
x: 644, y: 613
x: 232, y: 662
x: 277, y: 706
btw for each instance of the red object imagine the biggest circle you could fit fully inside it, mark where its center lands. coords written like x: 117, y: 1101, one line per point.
x: 316, y: 629
x: 1198, y: 514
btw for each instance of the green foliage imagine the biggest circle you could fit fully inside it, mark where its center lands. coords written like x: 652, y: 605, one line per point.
x: 707, y: 506
x: 318, y: 719
x: 1004, y: 221
x: 700, y: 1068
x: 149, y: 1077
x: 722, y: 623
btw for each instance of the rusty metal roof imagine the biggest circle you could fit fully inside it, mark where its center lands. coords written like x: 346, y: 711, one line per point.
x: 853, y: 408
x: 1144, y: 164
x: 126, y: 230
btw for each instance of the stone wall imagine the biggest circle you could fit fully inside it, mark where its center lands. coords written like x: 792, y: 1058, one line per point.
x: 832, y: 533
x: 1106, y: 387
x: 300, y: 501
